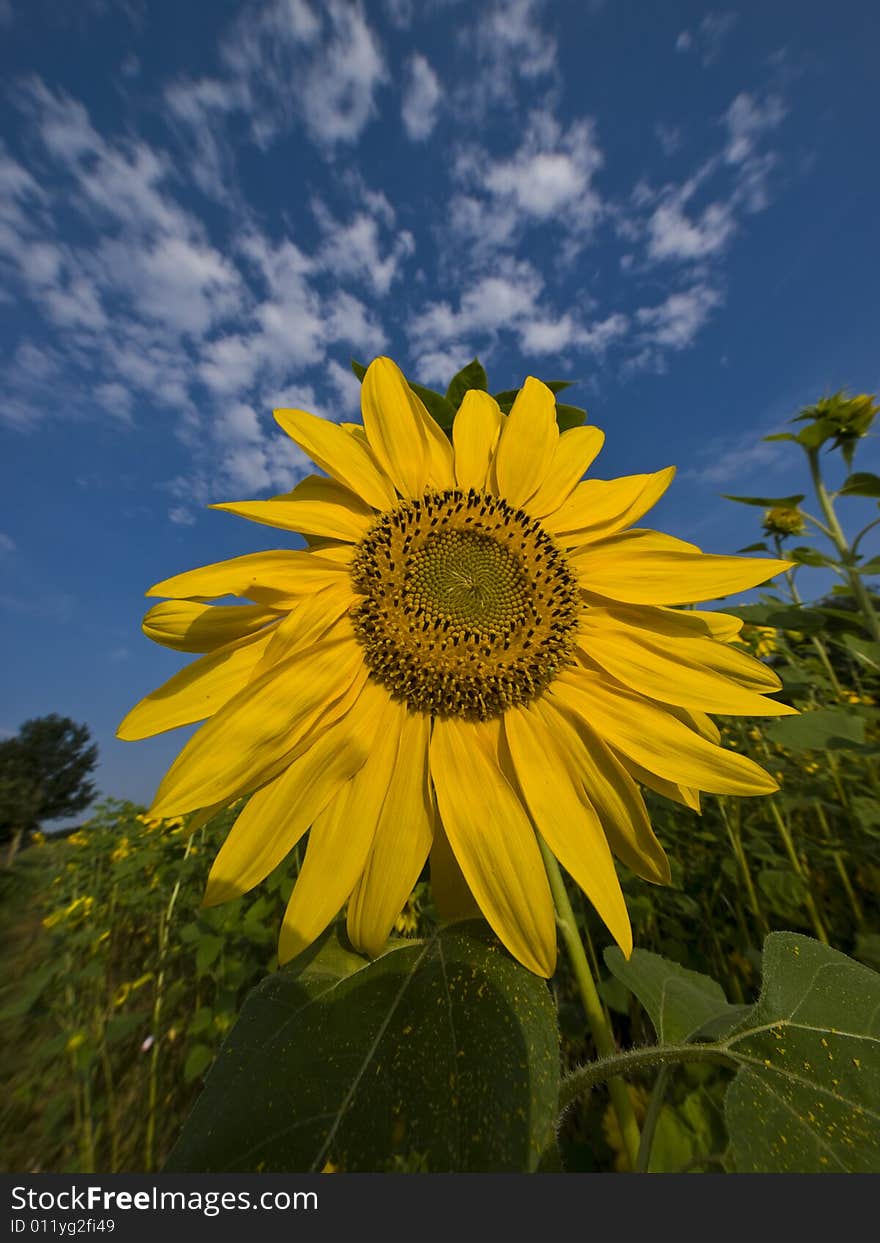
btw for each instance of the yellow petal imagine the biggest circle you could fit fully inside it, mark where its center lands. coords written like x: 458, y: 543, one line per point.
x: 187, y: 626
x: 312, y: 618
x: 638, y: 569
x: 475, y: 434
x: 676, y: 673
x: 280, y: 575
x: 687, y: 796
x: 613, y: 793
x: 403, y: 838
x: 316, y: 506
x: 493, y: 840
x: 656, y: 739
x: 685, y: 623
x: 598, y: 508
x: 277, y: 815
x: 441, y: 459
x: 341, y: 836
x: 575, y: 452
x: 690, y: 635
x: 452, y: 897
x: 394, y: 420
x: 567, y: 822
x: 345, y: 458
x: 527, y: 443
x: 196, y: 692
x: 257, y: 728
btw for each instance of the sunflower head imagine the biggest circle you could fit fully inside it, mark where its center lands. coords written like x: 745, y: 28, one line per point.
x: 477, y: 658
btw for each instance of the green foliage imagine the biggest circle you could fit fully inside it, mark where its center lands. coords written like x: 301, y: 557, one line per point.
x: 680, y: 1003
x: 444, y: 1049
x: 806, y: 1097
x: 443, y: 408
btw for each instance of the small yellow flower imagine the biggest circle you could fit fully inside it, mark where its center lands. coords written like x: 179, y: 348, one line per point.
x: 122, y: 851
x: 76, y: 1041
x: 78, y: 839
x: 407, y: 922
x: 38, y: 838
x: 476, y: 650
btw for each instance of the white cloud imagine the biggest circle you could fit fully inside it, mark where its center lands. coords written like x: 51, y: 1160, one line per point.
x: 322, y: 64
x: 346, y: 385
x: 512, y: 36
x: 181, y: 516
x: 548, y: 179
x: 355, y: 250
x: 747, y: 120
x: 116, y: 399
x: 508, y: 300
x: 7, y: 544
x: 673, y: 235
x: 675, y: 322
x: 421, y: 98
x: 708, y: 38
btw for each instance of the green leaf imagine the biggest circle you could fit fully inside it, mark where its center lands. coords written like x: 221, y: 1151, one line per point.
x: 471, y: 376
x: 866, y: 651
x: 804, y: 555
x: 569, y: 416
x: 870, y: 567
x: 862, y: 483
x: 440, y: 408
x: 679, y: 1002
x: 442, y: 1054
x: 767, y: 502
x: 209, y: 948
x: 806, y: 1097
x: 197, y: 1062
x: 780, y: 436
x: 815, y: 435
x: 815, y: 731
x: 762, y: 547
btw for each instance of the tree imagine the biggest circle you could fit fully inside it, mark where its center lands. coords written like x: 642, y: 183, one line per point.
x: 43, y: 775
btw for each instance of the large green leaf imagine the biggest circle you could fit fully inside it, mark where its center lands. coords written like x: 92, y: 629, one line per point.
x: 471, y: 376
x: 680, y: 1003
x: 806, y: 1097
x: 817, y: 731
x: 440, y: 1055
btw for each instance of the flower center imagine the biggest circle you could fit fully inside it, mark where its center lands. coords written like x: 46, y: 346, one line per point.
x: 468, y: 607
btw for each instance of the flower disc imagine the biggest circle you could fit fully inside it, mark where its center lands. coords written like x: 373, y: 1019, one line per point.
x: 468, y: 605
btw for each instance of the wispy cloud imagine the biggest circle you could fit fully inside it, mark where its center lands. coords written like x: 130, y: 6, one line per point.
x: 707, y: 38
x: 421, y: 99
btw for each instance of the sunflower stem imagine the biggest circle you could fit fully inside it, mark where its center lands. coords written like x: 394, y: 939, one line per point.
x: 844, y: 551
x: 600, y: 1030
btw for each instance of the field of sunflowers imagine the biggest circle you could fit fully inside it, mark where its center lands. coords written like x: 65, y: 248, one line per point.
x: 122, y: 988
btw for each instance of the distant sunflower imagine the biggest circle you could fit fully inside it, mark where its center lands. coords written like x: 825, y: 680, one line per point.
x: 473, y: 650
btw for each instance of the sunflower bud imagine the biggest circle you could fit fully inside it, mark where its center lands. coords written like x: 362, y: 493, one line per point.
x: 783, y: 520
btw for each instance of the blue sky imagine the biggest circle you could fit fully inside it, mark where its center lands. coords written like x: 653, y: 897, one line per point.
x: 206, y: 209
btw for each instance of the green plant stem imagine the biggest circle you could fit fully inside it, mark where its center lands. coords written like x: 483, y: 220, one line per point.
x: 584, y: 1078
x: 153, y: 1088
x: 652, y: 1117
x: 735, y: 838
x: 819, y: 647
x: 842, y: 872
x: 596, y: 1018
x: 809, y: 900
x: 843, y: 549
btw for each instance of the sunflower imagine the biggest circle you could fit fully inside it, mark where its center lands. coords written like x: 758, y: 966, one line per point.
x: 475, y: 651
